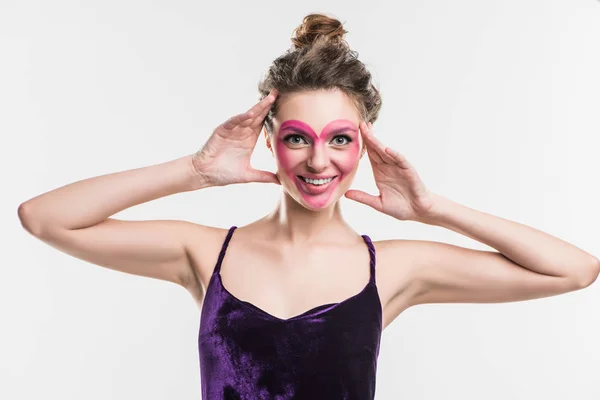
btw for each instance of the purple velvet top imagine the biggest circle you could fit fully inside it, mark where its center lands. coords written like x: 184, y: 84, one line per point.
x: 328, y: 352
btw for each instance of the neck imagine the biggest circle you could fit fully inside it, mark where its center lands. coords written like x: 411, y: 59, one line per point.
x: 295, y: 224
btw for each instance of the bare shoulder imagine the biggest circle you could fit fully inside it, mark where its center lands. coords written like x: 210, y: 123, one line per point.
x: 395, y: 274
x: 401, y: 266
x: 203, y: 244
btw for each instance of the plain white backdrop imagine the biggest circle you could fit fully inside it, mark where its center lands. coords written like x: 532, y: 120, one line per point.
x: 496, y: 104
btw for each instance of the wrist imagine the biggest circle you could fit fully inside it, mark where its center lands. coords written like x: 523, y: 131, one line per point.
x: 437, y: 211
x: 194, y: 179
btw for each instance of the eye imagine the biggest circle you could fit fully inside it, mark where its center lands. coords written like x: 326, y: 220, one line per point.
x: 294, y: 139
x: 346, y: 137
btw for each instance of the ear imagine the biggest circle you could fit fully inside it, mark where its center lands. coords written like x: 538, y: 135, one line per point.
x: 268, y: 141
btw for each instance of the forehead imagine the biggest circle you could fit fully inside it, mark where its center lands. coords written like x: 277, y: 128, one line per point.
x: 316, y: 108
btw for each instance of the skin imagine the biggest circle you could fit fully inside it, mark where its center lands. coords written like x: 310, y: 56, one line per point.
x: 301, y: 152
x: 304, y: 244
x: 303, y: 254
x: 316, y: 135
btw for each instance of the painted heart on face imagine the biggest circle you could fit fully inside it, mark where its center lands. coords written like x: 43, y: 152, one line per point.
x: 311, y: 162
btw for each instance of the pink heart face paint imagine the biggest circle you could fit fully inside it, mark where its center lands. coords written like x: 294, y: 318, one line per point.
x: 317, y: 164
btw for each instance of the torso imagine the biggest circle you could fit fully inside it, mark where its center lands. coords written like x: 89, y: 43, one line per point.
x: 286, y: 282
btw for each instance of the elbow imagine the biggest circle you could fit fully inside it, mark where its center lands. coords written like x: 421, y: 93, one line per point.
x: 28, y: 220
x: 591, y: 274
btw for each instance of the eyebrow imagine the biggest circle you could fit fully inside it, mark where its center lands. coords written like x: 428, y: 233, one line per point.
x: 334, y: 131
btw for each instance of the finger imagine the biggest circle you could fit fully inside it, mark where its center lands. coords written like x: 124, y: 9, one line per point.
x: 263, y: 106
x: 260, y: 118
x: 247, y: 118
x: 365, y: 198
x: 373, y: 156
x: 255, y: 175
x: 376, y: 145
x: 399, y: 159
x: 375, y: 148
x: 237, y: 120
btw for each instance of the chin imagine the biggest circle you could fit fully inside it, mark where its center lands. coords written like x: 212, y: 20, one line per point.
x: 318, y: 208
x: 316, y: 203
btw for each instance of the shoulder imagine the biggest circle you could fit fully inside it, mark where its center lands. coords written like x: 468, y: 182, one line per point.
x: 397, y: 265
x: 203, y: 244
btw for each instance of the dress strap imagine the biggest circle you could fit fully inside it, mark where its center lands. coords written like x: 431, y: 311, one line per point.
x: 369, y: 243
x: 224, y: 249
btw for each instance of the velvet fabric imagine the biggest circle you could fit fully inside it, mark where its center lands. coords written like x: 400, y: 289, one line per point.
x: 328, y: 352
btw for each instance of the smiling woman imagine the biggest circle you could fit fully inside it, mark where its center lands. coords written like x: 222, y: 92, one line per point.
x: 293, y: 305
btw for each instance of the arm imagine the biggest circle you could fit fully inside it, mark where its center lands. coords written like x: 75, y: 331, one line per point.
x: 75, y: 219
x: 529, y: 263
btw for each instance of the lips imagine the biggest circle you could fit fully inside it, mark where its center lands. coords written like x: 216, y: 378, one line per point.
x: 311, y: 189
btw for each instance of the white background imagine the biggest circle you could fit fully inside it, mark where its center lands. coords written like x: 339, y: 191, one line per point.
x: 496, y: 103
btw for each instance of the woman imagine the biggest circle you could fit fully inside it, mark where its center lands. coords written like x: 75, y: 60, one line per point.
x: 293, y: 304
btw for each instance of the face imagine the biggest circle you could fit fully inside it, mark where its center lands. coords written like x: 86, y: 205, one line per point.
x: 317, y: 146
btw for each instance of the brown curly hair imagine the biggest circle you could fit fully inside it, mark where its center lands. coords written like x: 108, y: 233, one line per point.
x: 320, y: 58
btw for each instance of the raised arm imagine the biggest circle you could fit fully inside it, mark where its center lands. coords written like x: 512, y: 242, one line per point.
x: 75, y: 218
x: 528, y: 263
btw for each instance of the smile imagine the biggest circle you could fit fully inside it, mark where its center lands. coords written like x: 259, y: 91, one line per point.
x: 316, y: 182
x: 313, y: 187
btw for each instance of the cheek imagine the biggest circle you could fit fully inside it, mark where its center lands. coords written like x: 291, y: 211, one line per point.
x: 347, y: 160
x: 286, y: 158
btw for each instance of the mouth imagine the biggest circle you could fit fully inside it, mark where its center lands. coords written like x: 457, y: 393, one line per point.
x: 316, y: 186
x: 316, y: 182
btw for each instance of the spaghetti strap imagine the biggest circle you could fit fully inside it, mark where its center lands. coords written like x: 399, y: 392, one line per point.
x: 237, y: 338
x: 372, y: 258
x: 224, y: 249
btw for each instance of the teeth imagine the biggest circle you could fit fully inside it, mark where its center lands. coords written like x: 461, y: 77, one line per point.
x: 317, y: 181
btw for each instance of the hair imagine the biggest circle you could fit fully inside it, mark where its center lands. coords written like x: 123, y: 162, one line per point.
x: 321, y: 59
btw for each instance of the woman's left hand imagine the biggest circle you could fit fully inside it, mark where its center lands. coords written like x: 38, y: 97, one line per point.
x: 402, y: 194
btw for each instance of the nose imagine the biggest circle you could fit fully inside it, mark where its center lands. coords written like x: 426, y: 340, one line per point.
x: 318, y: 160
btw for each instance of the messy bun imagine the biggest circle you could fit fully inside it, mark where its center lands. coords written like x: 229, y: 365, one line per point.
x: 314, y: 26
x: 321, y: 59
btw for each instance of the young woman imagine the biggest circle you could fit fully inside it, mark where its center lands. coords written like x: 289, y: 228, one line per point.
x: 293, y: 304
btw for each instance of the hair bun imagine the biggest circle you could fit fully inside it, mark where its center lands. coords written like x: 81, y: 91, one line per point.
x: 315, y: 26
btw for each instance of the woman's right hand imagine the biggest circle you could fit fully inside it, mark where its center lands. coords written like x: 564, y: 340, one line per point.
x: 225, y: 157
